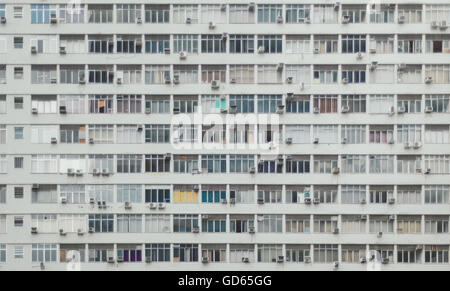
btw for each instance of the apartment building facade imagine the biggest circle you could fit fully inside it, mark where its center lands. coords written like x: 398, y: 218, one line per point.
x: 224, y: 135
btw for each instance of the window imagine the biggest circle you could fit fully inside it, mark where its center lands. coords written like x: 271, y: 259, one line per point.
x: 381, y: 103
x: 353, y: 253
x: 101, y: 134
x: 129, y: 134
x: 74, y: 194
x: 185, y: 133
x: 269, y: 194
x: 44, y: 223
x: 129, y: 44
x: 44, y: 164
x: 437, y: 134
x: 18, y: 12
x: 298, y: 74
x: 438, y: 164
x: 100, y: 13
x: 411, y: 13
x: 157, y: 133
x: 184, y: 222
x: 325, y: 253
x: 354, y: 13
x: 157, y: 194
x: 214, y: 163
x: 325, y: 14
x: 437, y: 194
x: 242, y: 13
x: 158, y: 13
x: 270, y: 223
x: 353, y: 134
x: 18, y: 132
x: 213, y: 103
x: 157, y: 104
x: 381, y: 134
x: 158, y: 252
x: 18, y: 192
x: 186, y: 74
x: 101, y: 193
x: 353, y: 75
x: 157, y: 163
x: 157, y: 74
x: 129, y: 223
x: 297, y: 224
x: 43, y: 253
x: 440, y: 74
x: 409, y: 164
x: 71, y: 13
x: 128, y: 13
x: 2, y: 10
x: 72, y: 134
x: 2, y: 253
x: 41, y: 13
x: 269, y: 74
x: 129, y: 193
x: 214, y: 13
x: 43, y: 133
x: 211, y: 43
x: 269, y: 253
x: 380, y: 223
x: 326, y: 103
x: 2, y: 134
x: 213, y: 73
x: 129, y: 163
x: 157, y: 223
x: 100, y: 253
x: 438, y: 103
x: 214, y: 223
x: 353, y: 224
x: 353, y: 164
x: 409, y: 45
x: 18, y: 221
x: 409, y: 195
x: 268, y: 13
x: 242, y: 74
x: 270, y: 43
x: 2, y: 104
x: 381, y: 164
x: 382, y: 14
x: 297, y: 13
x: 326, y: 133
x: 101, y: 163
x: 409, y: 104
x: 241, y: 223
x: 242, y: 194
x: 101, y: 222
x: 69, y: 74
x: 185, y: 253
x: 18, y: 74
x: 326, y: 194
x: 269, y: 103
x: 2, y: 194
x: 297, y: 194
x: 213, y: 134
x: 101, y: 75
x: 380, y: 195
x: 436, y: 224
x: 437, y: 12
x: 353, y: 44
x: 74, y: 104
x: 43, y: 74
x: 100, y: 44
x: 44, y: 194
x: 409, y: 133
x: 185, y: 43
x: 353, y: 194
x: 157, y: 44
x: 436, y: 254
x: 18, y: 42
x: 298, y: 104
x: 241, y: 163
x: 409, y: 224
x: 185, y: 13
x: 241, y: 43
x: 325, y: 75
x: 130, y: 74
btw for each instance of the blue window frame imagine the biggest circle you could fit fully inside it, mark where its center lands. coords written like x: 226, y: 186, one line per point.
x: 41, y: 13
x: 213, y: 196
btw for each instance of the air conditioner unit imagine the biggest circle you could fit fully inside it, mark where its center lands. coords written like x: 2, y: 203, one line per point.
x: 316, y: 200
x: 280, y: 259
x: 224, y: 36
x: 407, y: 145
x: 34, y: 230
x: 183, y: 55
x: 344, y: 140
x: 260, y: 200
x: 215, y: 84
x: 391, y: 140
x: 95, y: 172
x: 127, y: 205
x: 70, y: 172
x: 419, y: 247
x: 105, y: 172
x: 251, y: 6
x: 401, y: 19
x: 251, y: 229
x: 119, y: 80
x: 205, y: 260
x: 345, y: 19
x: 427, y: 171
x: 335, y: 264
x: 345, y: 81
x: 428, y: 109
x: 3, y: 20
x: 363, y: 217
x: 188, y: 20
x: 417, y: 145
x: 63, y: 200
x: 363, y: 201
x: 428, y: 80
x: 223, y: 201
x: 391, y: 110
x: 91, y: 230
x: 379, y: 234
x: 53, y: 19
x: 385, y: 261
x: 62, y: 232
x: 62, y: 50
x: 119, y: 259
x: 345, y: 109
x: 91, y: 200
x: 148, y: 260
x: 261, y: 50
x: 81, y: 79
x: 176, y: 79
x: 62, y: 110
x: 53, y: 140
x: 35, y: 187
x: 196, y: 229
x: 391, y: 201
x: 280, y: 66
x: 161, y: 206
x: 139, y: 20
x: 308, y: 20
x: 233, y: 109
x: 401, y: 67
x: 233, y: 80
x: 167, y: 156
x: 316, y: 51
x: 167, y: 50
x: 307, y: 260
x: 289, y: 140
x: 232, y: 200
x: 359, y: 56
x: 280, y: 109
x: 211, y: 25
x: 245, y: 260
x: 443, y: 25
x: 223, y: 7
x: 316, y: 140
x: 252, y: 170
x: 53, y: 80
x: 34, y: 110
x: 373, y: 50
x: 392, y: 217
x: 401, y: 110
x: 335, y: 171
x: 316, y: 110
x: 80, y: 231
x: 111, y: 260
x: 176, y: 110
x: 336, y: 5
x: 336, y: 231
x: 307, y: 200
x: 152, y: 205
x: 362, y: 260
x: 289, y: 80
x: 148, y: 111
